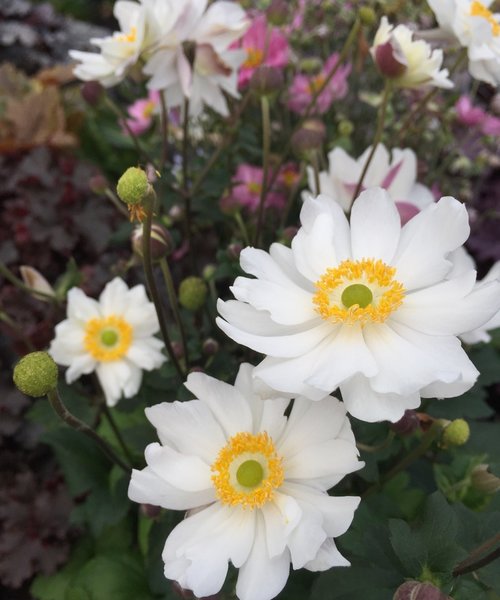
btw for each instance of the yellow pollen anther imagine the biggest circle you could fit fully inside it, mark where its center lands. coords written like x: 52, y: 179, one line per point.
x: 477, y: 9
x: 108, y: 338
x: 232, y: 485
x: 380, y: 293
x: 254, y: 187
x: 255, y: 56
x: 316, y: 83
x: 131, y: 36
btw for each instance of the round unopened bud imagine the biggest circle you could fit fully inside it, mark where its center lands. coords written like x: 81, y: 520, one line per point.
x: 277, y: 13
x: 389, y: 59
x: 484, y: 481
x: 36, y: 374
x: 233, y: 251
x: 210, y: 347
x: 418, y: 590
x: 161, y: 243
x: 309, y: 137
x: 209, y: 272
x: 456, y: 433
x: 92, y: 92
x: 98, y: 184
x: 176, y: 213
x: 150, y: 511
x: 345, y: 128
x: 408, y: 423
x: 310, y: 65
x: 367, y: 15
x: 266, y: 81
x: 192, y: 293
x: 133, y: 186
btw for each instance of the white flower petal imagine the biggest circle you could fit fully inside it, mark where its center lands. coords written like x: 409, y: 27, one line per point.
x: 375, y: 226
x: 426, y: 240
x: 281, y: 516
x: 146, y: 353
x: 113, y: 299
x: 229, y: 407
x: 80, y: 365
x: 111, y: 376
x: 365, y: 404
x: 327, y: 557
x: 81, y: 307
x: 190, y: 427
x: 185, y: 472
x: 68, y: 343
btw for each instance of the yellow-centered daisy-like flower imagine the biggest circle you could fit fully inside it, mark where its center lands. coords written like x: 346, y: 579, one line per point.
x: 371, y: 307
x: 113, y: 336
x: 254, y: 475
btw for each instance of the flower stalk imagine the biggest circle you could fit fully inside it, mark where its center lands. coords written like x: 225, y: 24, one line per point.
x: 266, y: 151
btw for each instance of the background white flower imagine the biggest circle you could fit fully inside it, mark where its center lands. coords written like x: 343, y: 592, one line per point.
x: 395, y: 172
x: 113, y: 336
x: 475, y: 27
x: 407, y: 62
x: 256, y: 481
x: 193, y: 60
x: 366, y: 307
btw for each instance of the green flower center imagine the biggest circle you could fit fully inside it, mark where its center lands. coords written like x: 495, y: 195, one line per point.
x: 250, y: 473
x: 109, y: 337
x: 357, y: 293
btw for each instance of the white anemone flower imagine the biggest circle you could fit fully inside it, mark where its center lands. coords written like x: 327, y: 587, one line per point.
x: 407, y: 62
x: 367, y: 308
x: 122, y: 50
x: 476, y: 28
x: 254, y: 482
x: 395, y: 172
x: 193, y: 60
x: 113, y: 336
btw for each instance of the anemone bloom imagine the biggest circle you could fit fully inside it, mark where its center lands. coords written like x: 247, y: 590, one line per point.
x: 366, y: 307
x: 254, y: 482
x: 113, y: 336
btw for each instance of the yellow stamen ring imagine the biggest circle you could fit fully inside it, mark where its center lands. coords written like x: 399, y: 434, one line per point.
x: 255, y: 56
x: 247, y: 470
x: 363, y: 291
x: 477, y: 9
x: 108, y: 338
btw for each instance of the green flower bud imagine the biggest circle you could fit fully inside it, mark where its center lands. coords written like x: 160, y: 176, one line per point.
x: 209, y: 272
x: 133, y: 186
x: 367, y: 15
x: 345, y: 128
x: 456, y: 433
x: 36, y: 374
x: 192, y: 293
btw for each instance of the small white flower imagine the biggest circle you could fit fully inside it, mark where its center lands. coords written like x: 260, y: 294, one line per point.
x: 407, y: 62
x: 366, y: 307
x: 193, y: 60
x: 476, y: 28
x: 113, y: 337
x: 396, y: 173
x: 255, y: 480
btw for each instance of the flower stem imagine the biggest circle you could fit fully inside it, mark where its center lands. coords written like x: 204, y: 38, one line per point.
x: 378, y: 136
x: 266, y: 150
x: 153, y: 290
x: 164, y: 131
x: 7, y: 273
x: 116, y: 431
x: 61, y: 410
x: 172, y: 296
x: 315, y: 166
x: 185, y: 184
x: 477, y: 559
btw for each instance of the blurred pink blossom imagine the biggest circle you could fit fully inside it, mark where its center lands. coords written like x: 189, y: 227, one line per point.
x: 468, y: 114
x: 141, y: 113
x: 262, y: 48
x: 247, y: 187
x: 303, y: 87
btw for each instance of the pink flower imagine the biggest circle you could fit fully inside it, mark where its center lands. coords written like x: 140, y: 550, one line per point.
x: 141, y: 113
x: 247, y: 187
x: 263, y: 47
x: 303, y: 87
x: 468, y: 114
x: 288, y: 176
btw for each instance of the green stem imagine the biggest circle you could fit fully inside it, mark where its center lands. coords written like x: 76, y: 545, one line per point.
x: 75, y: 423
x: 266, y: 151
x: 164, y: 131
x: 117, y: 203
x: 378, y: 136
x: 117, y: 433
x: 378, y: 447
x: 153, y: 290
x: 7, y: 273
x: 315, y: 166
x: 242, y: 227
x: 172, y: 296
x: 185, y: 183
x: 426, y: 442
x: 19, y: 330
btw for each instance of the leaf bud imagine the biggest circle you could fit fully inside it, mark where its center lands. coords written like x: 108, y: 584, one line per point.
x: 367, y: 16
x: 192, y: 293
x: 210, y: 347
x: 161, y: 243
x: 36, y: 374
